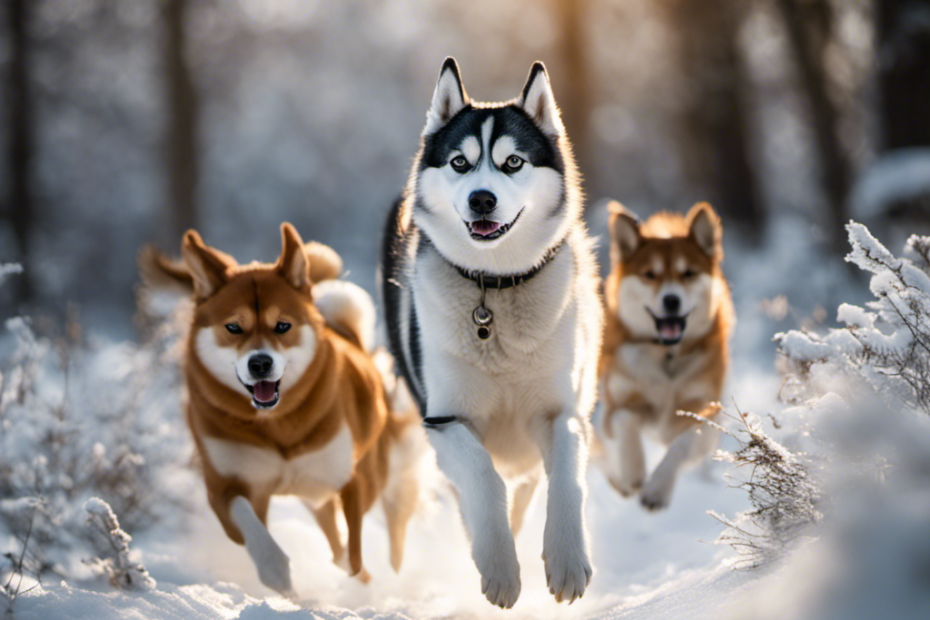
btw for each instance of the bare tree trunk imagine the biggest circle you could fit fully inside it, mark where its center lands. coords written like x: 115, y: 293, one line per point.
x: 181, y: 140
x: 574, y: 98
x: 713, y: 128
x: 809, y: 25
x: 904, y: 72
x: 20, y: 207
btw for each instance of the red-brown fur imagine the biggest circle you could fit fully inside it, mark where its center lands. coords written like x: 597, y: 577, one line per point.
x: 340, y: 386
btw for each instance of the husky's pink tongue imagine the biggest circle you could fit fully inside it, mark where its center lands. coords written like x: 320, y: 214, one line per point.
x: 484, y: 227
x: 264, y: 391
x: 670, y: 331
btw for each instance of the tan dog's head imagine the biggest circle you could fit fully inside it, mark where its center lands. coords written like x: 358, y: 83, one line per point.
x: 668, y: 268
x: 254, y: 328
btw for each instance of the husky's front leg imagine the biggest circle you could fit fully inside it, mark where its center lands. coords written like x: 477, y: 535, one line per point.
x: 483, y: 503
x: 563, y: 443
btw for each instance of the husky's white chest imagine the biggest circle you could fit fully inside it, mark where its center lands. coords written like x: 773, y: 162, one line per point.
x: 314, y: 476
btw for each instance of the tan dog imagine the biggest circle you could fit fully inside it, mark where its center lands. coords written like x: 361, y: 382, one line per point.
x: 665, y: 347
x: 284, y: 399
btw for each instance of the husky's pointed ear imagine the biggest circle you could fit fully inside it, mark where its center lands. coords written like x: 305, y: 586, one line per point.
x: 293, y: 264
x: 538, y: 101
x: 704, y: 227
x: 208, y: 267
x: 448, y: 99
x: 624, y: 232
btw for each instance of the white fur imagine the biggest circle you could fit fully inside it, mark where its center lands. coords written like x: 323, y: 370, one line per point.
x: 534, y: 191
x: 219, y: 361
x: 526, y: 393
x: 297, y: 359
x: 346, y: 304
x: 315, y: 476
x: 272, y: 563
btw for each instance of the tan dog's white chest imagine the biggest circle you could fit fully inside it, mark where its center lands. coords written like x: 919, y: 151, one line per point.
x: 658, y: 375
x: 315, y: 476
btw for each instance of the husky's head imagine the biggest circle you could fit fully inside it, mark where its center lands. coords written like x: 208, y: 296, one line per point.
x: 668, y: 270
x: 495, y: 184
x: 254, y: 328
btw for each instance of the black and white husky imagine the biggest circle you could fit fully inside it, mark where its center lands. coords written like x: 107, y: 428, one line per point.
x: 490, y: 289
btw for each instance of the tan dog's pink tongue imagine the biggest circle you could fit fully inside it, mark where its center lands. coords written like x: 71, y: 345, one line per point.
x: 264, y: 391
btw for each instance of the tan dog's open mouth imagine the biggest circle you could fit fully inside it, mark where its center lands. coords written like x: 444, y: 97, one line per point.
x: 265, y: 394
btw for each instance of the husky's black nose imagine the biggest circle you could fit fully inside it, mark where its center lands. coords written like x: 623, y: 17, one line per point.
x: 671, y: 303
x: 482, y: 201
x: 260, y: 365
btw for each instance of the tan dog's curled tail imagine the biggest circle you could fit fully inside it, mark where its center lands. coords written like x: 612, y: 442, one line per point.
x: 325, y: 263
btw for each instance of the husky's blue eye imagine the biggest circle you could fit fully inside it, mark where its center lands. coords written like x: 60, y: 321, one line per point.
x: 281, y: 327
x: 233, y: 328
x: 512, y: 164
x: 459, y: 164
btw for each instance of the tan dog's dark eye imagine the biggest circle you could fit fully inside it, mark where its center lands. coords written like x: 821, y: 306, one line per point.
x: 650, y: 275
x: 281, y: 327
x: 688, y: 274
x: 233, y: 328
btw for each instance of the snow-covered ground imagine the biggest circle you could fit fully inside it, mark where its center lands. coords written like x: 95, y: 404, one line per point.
x: 647, y: 566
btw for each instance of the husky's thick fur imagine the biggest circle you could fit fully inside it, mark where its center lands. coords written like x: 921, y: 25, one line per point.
x: 669, y: 317
x: 284, y: 398
x: 493, y: 204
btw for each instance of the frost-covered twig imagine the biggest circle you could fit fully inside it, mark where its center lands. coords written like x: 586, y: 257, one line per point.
x: 116, y: 564
x: 783, y: 496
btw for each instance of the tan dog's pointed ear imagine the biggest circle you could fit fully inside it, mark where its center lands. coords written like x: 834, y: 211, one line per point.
x: 208, y: 266
x: 624, y: 232
x: 704, y: 227
x: 293, y: 264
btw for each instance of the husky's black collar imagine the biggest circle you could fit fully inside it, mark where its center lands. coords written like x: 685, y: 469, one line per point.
x: 489, y: 281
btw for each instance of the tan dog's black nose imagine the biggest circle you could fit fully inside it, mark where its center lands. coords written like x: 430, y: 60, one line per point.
x: 671, y: 303
x: 260, y: 365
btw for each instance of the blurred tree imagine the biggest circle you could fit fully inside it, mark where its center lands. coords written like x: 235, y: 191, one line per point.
x: 810, y: 27
x: 713, y: 125
x: 904, y: 72
x: 19, y: 208
x: 574, y: 96
x: 181, y: 155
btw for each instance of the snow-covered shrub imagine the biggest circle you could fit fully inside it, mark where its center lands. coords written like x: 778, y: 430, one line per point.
x: 859, y: 397
x: 113, y: 559
x: 885, y: 345
x: 81, y: 419
x: 782, y: 492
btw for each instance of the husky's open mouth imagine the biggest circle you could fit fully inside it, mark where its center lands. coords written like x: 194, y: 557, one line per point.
x: 265, y: 394
x: 670, y: 328
x: 487, y: 230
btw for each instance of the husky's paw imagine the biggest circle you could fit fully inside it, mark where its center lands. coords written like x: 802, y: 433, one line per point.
x: 657, y: 492
x: 500, y: 573
x: 274, y: 567
x: 568, y: 570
